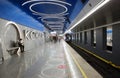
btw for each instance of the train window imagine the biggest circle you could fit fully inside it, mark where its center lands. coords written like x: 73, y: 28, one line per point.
x: 93, y: 38
x: 81, y: 37
x: 109, y: 38
x: 72, y: 37
x: 85, y: 37
x: 77, y: 37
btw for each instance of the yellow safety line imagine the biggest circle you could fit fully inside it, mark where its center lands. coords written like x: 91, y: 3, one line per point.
x: 106, y: 61
x: 80, y: 68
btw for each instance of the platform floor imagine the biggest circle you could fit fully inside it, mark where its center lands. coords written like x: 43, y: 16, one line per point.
x: 47, y: 61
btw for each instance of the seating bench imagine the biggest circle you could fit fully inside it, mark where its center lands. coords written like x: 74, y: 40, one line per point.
x: 13, y: 50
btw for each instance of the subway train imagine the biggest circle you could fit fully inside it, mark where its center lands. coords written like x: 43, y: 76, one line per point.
x: 99, y: 33
x: 68, y: 37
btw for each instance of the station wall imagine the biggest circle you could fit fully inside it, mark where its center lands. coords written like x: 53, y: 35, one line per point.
x: 10, y: 32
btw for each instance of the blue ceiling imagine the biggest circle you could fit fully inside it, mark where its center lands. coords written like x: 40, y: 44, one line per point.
x: 14, y: 11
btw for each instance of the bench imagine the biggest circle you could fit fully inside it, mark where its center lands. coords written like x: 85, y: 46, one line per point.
x: 13, y: 50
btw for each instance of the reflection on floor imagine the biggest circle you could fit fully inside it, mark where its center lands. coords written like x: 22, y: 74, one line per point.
x: 46, y: 61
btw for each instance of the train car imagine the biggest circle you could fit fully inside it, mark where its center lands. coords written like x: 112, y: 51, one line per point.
x: 68, y: 37
x: 99, y: 32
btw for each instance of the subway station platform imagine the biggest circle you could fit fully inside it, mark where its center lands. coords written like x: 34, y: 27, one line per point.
x: 51, y: 60
x: 90, y: 28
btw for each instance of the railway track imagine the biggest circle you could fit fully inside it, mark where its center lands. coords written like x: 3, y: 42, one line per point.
x: 103, y: 68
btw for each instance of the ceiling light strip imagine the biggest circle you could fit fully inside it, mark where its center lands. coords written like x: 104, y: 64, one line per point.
x: 46, y: 0
x: 59, y: 19
x: 30, y: 7
x: 102, y: 3
x: 55, y: 26
x: 53, y: 22
x: 50, y: 15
